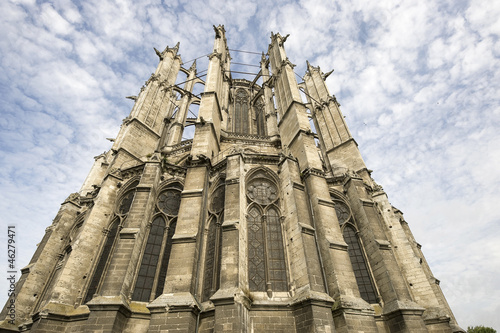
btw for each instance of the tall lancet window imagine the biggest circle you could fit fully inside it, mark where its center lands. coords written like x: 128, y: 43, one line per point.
x: 156, y: 255
x: 356, y: 253
x: 111, y: 234
x: 266, y: 255
x: 260, y: 117
x: 240, y: 118
x: 211, y: 279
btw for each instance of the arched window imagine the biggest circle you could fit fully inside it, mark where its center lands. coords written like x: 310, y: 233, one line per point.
x: 150, y: 260
x: 275, y: 251
x: 156, y: 256
x: 260, y: 117
x: 359, y: 267
x: 256, y: 253
x: 356, y: 253
x: 106, y: 252
x: 266, y: 255
x: 121, y: 213
x: 240, y: 118
x: 211, y: 279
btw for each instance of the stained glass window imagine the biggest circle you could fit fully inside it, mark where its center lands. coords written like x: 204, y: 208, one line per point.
x: 359, y: 266
x: 266, y: 253
x: 218, y: 197
x: 106, y: 252
x: 241, y: 111
x: 213, y: 254
x: 126, y: 202
x: 147, y: 271
x: 256, y: 256
x: 343, y: 212
x: 154, y: 264
x: 169, y: 201
x: 275, y: 252
x: 262, y: 191
x: 260, y: 117
x: 213, y: 257
x: 166, y: 258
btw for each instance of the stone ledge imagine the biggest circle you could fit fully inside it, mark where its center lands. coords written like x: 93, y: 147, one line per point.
x: 129, y: 233
x: 306, y: 229
x: 383, y: 244
x: 397, y: 307
x: 352, y: 305
x: 305, y: 295
x: 174, y: 302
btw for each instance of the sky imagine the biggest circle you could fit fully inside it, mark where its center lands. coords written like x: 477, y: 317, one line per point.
x: 418, y: 83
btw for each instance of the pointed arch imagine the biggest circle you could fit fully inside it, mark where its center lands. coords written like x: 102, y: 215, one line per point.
x: 213, y: 247
x: 262, y: 172
x: 359, y: 265
x: 107, y: 249
x: 165, y: 259
x: 256, y: 250
x: 260, y: 117
x: 151, y: 256
x: 266, y: 251
x: 126, y: 196
x: 213, y: 254
x: 153, y: 267
x: 241, y: 111
x: 275, y: 251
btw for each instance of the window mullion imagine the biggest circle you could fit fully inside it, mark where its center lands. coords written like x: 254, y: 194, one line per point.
x: 266, y: 254
x: 152, y: 296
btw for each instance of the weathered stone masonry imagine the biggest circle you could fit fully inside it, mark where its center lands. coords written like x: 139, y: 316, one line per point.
x: 256, y: 224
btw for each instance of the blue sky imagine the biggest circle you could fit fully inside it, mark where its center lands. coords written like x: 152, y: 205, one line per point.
x: 418, y: 82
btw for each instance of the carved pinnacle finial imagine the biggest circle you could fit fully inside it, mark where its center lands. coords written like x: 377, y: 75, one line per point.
x: 327, y: 74
x: 158, y: 53
x: 217, y: 32
x: 193, y: 66
x: 263, y: 58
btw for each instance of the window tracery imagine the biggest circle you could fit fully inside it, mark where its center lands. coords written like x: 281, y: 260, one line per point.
x: 260, y: 117
x: 356, y: 252
x: 211, y: 277
x: 240, y: 118
x: 156, y: 256
x: 103, y: 259
x: 122, y: 209
x: 266, y: 255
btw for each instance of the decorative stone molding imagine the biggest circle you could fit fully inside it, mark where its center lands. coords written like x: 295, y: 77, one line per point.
x: 129, y: 233
x: 383, y: 244
x: 342, y: 246
x: 307, y: 229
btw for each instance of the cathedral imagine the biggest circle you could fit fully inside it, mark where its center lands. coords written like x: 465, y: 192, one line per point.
x: 265, y: 220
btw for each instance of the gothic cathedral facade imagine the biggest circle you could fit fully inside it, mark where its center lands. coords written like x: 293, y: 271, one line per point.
x: 261, y: 222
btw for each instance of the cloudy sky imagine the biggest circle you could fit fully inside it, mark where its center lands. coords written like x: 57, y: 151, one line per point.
x: 418, y: 82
